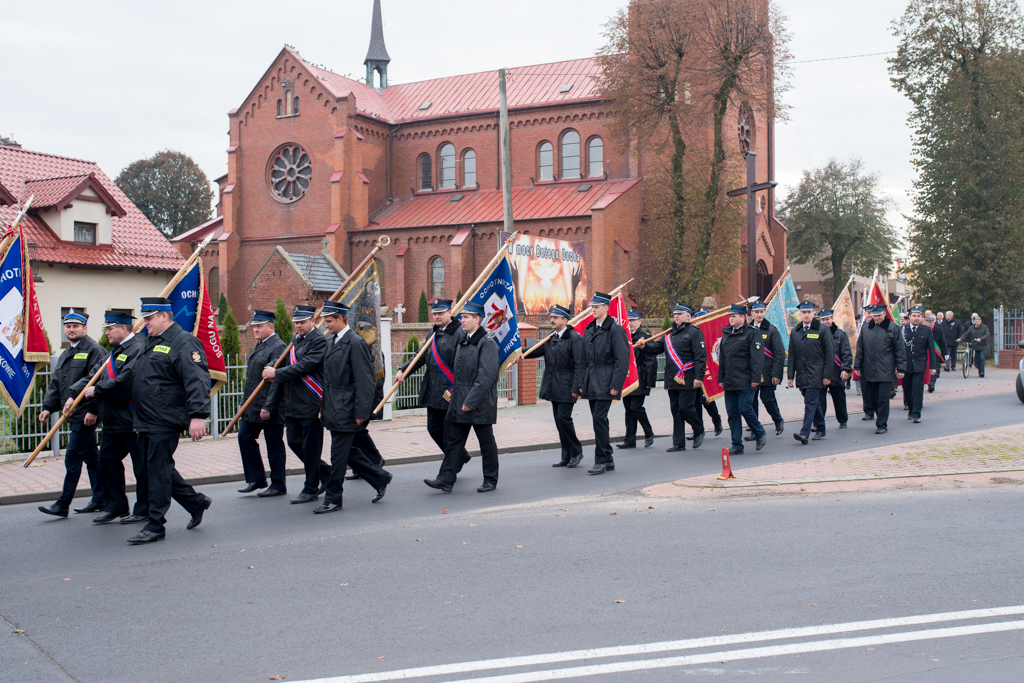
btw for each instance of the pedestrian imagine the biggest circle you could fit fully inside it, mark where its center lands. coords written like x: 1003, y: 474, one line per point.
x: 606, y: 346
x: 740, y: 361
x: 840, y: 370
x: 940, y: 341
x: 859, y: 321
x: 349, y: 385
x: 772, y: 369
x: 880, y: 355
x: 976, y: 335
x: 298, y: 387
x: 113, y: 396
x: 810, y: 353
x: 919, y: 342
x: 73, y: 370
x: 685, y: 362
x: 474, y: 403
x: 171, y: 395
x: 268, y: 349
x: 647, y: 379
x: 953, y: 330
x: 564, y: 368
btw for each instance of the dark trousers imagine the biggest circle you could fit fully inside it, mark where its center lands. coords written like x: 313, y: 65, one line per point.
x: 636, y: 413
x: 954, y: 351
x: 934, y: 378
x: 876, y: 401
x: 164, y: 481
x: 913, y: 392
x: 113, y: 449
x: 347, y: 450
x: 771, y: 404
x: 837, y: 390
x: 685, y: 408
x: 252, y: 461
x: 811, y: 421
x: 710, y: 406
x: 979, y: 360
x: 602, y: 441
x: 437, y: 427
x: 458, y: 432
x: 306, y: 439
x: 571, y: 446
x: 81, y: 448
x: 739, y: 406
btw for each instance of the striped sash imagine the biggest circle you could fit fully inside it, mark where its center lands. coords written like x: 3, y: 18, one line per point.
x: 680, y: 377
x: 448, y: 373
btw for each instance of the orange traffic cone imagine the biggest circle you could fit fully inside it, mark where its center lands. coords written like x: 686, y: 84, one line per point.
x: 726, y: 466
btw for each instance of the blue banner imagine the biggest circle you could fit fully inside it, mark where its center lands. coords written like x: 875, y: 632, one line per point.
x: 497, y: 296
x: 17, y: 376
x: 186, y: 297
x: 782, y: 308
x: 776, y: 315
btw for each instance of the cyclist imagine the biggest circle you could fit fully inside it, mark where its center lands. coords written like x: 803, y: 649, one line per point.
x: 976, y: 336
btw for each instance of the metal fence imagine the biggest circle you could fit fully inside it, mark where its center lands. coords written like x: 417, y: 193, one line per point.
x: 408, y: 394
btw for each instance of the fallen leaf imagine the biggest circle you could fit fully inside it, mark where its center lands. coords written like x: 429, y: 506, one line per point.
x: 67, y: 579
x: 712, y: 509
x: 869, y: 649
x: 472, y: 524
x: 802, y: 488
x: 417, y: 539
x: 639, y: 510
x: 444, y: 512
x: 276, y: 678
x: 813, y: 604
x: 404, y: 526
x: 650, y: 507
x: 88, y: 588
x: 892, y: 513
x: 619, y: 601
x: 380, y: 658
x: 520, y: 547
x: 214, y: 545
x: 464, y: 543
x: 563, y: 516
x: 610, y: 513
x: 19, y: 630
x: 564, y: 509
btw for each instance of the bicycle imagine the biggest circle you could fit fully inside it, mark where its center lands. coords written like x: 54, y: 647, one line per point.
x: 968, y: 359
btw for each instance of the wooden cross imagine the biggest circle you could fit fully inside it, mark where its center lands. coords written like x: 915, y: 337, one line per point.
x: 751, y: 191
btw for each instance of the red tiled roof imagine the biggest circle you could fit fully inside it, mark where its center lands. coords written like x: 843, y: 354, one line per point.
x: 537, y: 202
x: 59, y: 192
x: 214, y: 225
x: 136, y: 242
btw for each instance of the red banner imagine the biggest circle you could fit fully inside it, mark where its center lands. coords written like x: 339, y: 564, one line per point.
x: 618, y: 311
x: 36, y: 349
x: 206, y: 332
x: 712, y: 327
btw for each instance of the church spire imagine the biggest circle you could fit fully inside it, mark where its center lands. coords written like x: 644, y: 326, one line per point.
x: 377, y: 58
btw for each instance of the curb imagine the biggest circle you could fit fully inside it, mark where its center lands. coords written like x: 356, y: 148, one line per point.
x: 854, y: 477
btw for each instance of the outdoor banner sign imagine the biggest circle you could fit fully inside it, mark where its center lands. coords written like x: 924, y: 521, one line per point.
x: 190, y: 305
x: 22, y: 339
x: 711, y: 326
x: 547, y: 272
x: 845, y: 318
x: 497, y: 296
x: 618, y: 311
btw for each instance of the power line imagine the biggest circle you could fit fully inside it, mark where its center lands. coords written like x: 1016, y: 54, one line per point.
x: 832, y: 59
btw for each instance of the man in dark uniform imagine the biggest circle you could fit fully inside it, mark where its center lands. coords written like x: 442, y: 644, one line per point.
x: 268, y: 349
x: 564, y: 366
x: 810, y: 353
x: 437, y: 381
x: 75, y: 367
x: 474, y: 403
x: 703, y: 404
x: 940, y: 341
x: 647, y: 378
x: 171, y: 394
x: 772, y: 369
x: 740, y: 358
x: 918, y: 339
x: 880, y: 355
x: 684, y: 375
x: 840, y: 371
x: 113, y: 395
x: 606, y: 346
x: 299, y: 384
x: 349, y: 385
x: 952, y: 330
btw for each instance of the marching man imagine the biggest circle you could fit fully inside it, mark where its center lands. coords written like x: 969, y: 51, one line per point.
x: 740, y: 357
x: 606, y: 346
x: 810, y: 353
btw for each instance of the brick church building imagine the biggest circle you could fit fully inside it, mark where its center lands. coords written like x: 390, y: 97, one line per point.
x: 320, y: 165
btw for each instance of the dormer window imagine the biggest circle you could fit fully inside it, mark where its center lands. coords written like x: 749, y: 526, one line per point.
x: 85, y: 233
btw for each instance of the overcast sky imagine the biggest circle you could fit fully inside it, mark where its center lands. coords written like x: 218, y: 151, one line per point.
x: 114, y: 81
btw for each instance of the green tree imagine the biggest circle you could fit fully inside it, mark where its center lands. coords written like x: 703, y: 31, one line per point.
x: 459, y: 297
x: 413, y: 345
x: 837, y: 214
x: 8, y: 140
x: 229, y: 339
x: 170, y: 189
x: 424, y: 312
x: 961, y: 66
x: 222, y: 308
x: 283, y: 321
x: 103, y: 341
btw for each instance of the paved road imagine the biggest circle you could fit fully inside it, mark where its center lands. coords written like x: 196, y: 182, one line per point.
x: 264, y: 588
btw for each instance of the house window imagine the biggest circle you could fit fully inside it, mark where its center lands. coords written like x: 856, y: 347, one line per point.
x: 280, y: 107
x: 446, y: 167
x: 213, y: 286
x: 63, y: 312
x: 469, y: 168
x: 546, y: 161
x: 595, y: 158
x: 437, y: 277
x: 425, y: 172
x: 85, y: 232
x: 570, y: 155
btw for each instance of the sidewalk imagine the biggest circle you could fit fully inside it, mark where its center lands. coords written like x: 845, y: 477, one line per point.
x: 522, y: 428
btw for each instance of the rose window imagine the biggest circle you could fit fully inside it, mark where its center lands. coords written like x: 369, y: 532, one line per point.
x: 290, y: 172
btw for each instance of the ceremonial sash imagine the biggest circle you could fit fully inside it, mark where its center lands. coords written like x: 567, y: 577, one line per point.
x: 112, y: 373
x: 308, y: 380
x: 680, y: 377
x: 768, y: 352
x: 839, y: 361
x: 448, y: 373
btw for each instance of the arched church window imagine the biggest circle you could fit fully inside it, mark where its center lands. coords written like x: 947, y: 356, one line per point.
x: 213, y: 286
x: 280, y: 107
x: 295, y: 106
x: 426, y: 173
x: 446, y: 166
x: 546, y: 161
x: 595, y: 158
x: 289, y: 173
x: 437, y: 277
x: 469, y: 168
x: 570, y: 155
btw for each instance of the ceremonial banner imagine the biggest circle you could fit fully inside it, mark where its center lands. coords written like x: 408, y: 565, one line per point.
x: 781, y: 309
x: 22, y: 339
x: 877, y: 296
x: 547, y: 272
x: 497, y: 296
x: 711, y: 326
x: 618, y: 312
x: 362, y: 298
x: 190, y: 304
x: 845, y: 318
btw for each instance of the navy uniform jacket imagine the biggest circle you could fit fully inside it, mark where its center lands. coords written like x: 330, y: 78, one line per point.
x: 476, y: 380
x: 564, y: 367
x: 606, y: 347
x: 842, y: 354
x: 300, y: 402
x: 349, y: 382
x: 880, y: 354
x: 114, y: 395
x: 810, y: 355
x: 740, y: 358
x: 646, y: 365
x: 434, y: 382
x: 688, y: 342
x: 774, y: 352
x: 172, y: 382
x: 73, y: 370
x: 264, y: 353
x: 918, y: 345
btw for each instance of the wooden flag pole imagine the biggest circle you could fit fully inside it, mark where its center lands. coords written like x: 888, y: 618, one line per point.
x: 777, y: 286
x: 103, y: 367
x: 8, y: 236
x: 574, y: 320
x: 382, y: 242
x: 455, y: 309
x: 717, y: 311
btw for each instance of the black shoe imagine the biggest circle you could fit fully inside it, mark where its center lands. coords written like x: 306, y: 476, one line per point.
x: 718, y: 428
x: 892, y: 395
x: 779, y: 428
x: 735, y: 451
x: 648, y: 442
x: 145, y: 536
x: 749, y: 437
x: 93, y: 506
x: 327, y: 507
x: 270, y: 493
x: 800, y: 437
x: 842, y: 425
x: 304, y: 498
x: 575, y: 461
x: 54, y: 510
x: 249, y: 488
x: 438, y: 484
x: 868, y: 417
x: 352, y: 477
x: 698, y: 439
x: 931, y: 388
x: 761, y: 441
x: 625, y: 445
x: 134, y: 519
x: 561, y: 463
x: 382, y: 489
x: 689, y: 437
x: 906, y: 407
x: 818, y: 436
x: 675, y: 449
x: 108, y: 517
x: 881, y: 430
x: 909, y: 416
x: 487, y: 486
x: 601, y: 469
x: 197, y: 516
x: 917, y: 420
x: 323, y: 487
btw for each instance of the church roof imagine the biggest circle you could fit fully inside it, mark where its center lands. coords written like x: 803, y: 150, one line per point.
x: 319, y: 272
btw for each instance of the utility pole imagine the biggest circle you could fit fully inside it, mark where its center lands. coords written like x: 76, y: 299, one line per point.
x: 751, y: 190
x: 506, y: 155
